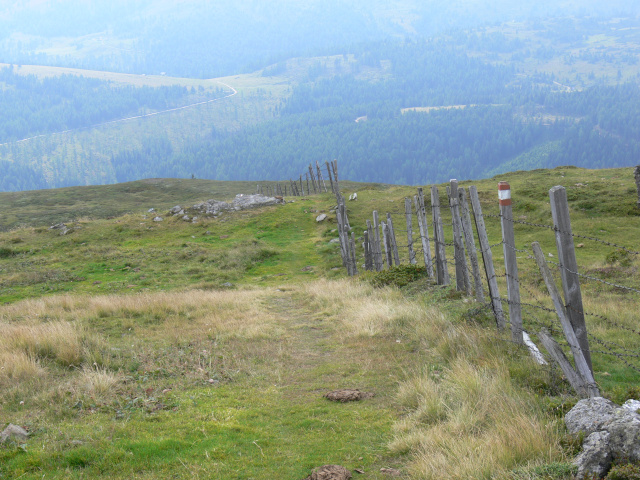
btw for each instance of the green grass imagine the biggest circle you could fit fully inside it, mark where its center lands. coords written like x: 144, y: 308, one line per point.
x: 130, y: 397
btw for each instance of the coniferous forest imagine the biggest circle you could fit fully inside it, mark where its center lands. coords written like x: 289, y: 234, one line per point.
x: 461, y: 103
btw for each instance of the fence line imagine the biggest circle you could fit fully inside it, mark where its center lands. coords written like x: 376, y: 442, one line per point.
x: 563, y: 317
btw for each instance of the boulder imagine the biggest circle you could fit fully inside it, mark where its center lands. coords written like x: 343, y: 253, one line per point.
x: 330, y: 472
x: 613, y: 435
x: 595, y: 459
x: 15, y: 433
x: 176, y: 210
x: 632, y: 405
x: 589, y: 415
x: 321, y: 218
x: 158, y: 219
x: 241, y: 202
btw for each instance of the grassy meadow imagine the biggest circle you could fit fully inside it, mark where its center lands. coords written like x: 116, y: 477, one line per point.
x: 135, y: 349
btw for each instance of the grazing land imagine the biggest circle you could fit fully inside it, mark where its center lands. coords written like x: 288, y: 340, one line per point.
x: 141, y: 349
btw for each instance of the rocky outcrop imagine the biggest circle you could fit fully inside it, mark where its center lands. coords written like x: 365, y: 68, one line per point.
x: 612, y: 434
x: 241, y: 202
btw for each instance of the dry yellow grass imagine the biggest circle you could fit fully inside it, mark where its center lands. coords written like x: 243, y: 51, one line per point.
x: 58, y: 341
x: 470, y: 422
x: 17, y: 367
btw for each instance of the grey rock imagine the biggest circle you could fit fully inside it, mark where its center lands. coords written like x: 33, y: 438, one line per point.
x: 158, y: 219
x: 595, y: 459
x: 334, y: 240
x: 151, y: 210
x: 227, y: 284
x: 624, y: 431
x: 589, y: 415
x: 175, y: 210
x: 321, y: 218
x: 186, y: 218
x: 632, y: 405
x: 241, y: 202
x: 62, y: 228
x: 15, y: 433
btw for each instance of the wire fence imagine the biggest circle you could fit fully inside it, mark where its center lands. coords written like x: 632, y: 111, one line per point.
x: 612, y: 332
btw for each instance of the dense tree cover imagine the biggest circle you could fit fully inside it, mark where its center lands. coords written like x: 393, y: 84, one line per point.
x: 15, y: 177
x: 202, y: 38
x: 32, y: 106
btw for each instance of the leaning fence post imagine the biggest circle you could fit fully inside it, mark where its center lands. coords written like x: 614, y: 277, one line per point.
x: 582, y: 366
x: 387, y: 244
x: 392, y: 240
x: 510, y: 261
x: 407, y: 213
x: 569, y: 267
x: 462, y: 275
x: 471, y: 244
x: 367, y: 249
x: 424, y: 231
x: 354, y: 262
x: 377, y: 250
x: 487, y: 258
x: 438, y: 235
x: 333, y: 189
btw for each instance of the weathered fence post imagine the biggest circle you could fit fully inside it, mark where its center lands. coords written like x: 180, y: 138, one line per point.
x: 407, y: 213
x: 462, y: 275
x: 424, y: 231
x: 313, y: 179
x: 367, y: 249
x: 467, y: 229
x: 334, y: 165
x: 343, y: 245
x: 438, y: 236
x: 354, y: 262
x: 582, y: 366
x: 377, y: 253
x: 387, y: 244
x: 392, y: 240
x: 487, y: 258
x: 320, y: 177
x: 333, y: 189
x: 569, y: 267
x: 510, y: 261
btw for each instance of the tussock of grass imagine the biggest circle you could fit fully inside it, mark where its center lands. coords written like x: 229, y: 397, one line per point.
x: 471, y: 423
x: 17, y: 367
x: 57, y: 341
x: 98, y: 383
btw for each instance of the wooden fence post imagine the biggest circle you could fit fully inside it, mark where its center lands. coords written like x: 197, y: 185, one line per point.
x: 424, y: 231
x: 387, y: 244
x: 343, y: 245
x: 462, y: 274
x: 313, y: 179
x: 407, y: 213
x: 367, y: 249
x: 377, y: 253
x: 334, y: 165
x: 487, y: 258
x: 333, y: 189
x: 467, y: 229
x: 510, y: 261
x: 569, y: 267
x: 438, y: 236
x: 320, y: 177
x: 582, y: 366
x: 392, y: 240
x: 354, y: 262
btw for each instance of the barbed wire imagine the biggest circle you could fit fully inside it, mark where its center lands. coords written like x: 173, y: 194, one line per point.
x: 589, y: 277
